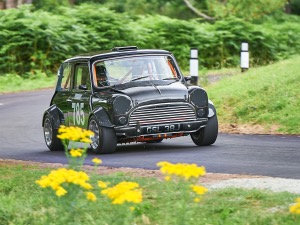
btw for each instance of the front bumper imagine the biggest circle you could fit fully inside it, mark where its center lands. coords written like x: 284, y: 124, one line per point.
x: 160, y: 129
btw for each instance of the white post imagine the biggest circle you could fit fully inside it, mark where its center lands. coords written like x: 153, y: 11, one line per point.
x: 194, y: 66
x: 244, y: 57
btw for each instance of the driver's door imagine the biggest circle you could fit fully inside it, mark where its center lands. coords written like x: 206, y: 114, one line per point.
x: 63, y: 91
x: 80, y: 96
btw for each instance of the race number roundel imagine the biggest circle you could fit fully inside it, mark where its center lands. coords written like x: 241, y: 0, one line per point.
x: 78, y: 113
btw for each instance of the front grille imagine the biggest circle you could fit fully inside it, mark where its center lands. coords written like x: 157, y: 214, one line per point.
x: 161, y: 114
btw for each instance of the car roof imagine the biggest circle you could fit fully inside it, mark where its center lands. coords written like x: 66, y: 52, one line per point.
x: 117, y: 52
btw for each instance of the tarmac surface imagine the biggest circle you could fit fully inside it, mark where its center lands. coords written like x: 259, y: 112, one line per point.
x: 21, y: 137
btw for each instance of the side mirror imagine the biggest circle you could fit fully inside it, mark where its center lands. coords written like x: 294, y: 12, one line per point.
x: 82, y: 87
x: 188, y: 78
x: 194, y: 80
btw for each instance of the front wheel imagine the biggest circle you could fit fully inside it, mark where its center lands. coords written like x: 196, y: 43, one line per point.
x: 50, y: 135
x: 207, y: 135
x: 104, y: 140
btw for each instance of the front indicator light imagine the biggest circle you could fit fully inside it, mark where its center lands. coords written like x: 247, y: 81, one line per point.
x: 200, y: 113
x: 122, y: 120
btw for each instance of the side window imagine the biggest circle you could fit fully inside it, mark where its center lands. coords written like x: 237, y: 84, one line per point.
x: 64, y: 77
x: 82, y: 76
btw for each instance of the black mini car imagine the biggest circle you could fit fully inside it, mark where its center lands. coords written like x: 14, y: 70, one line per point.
x: 128, y: 95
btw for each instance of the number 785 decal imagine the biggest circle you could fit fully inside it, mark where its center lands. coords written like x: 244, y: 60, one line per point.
x: 78, y: 113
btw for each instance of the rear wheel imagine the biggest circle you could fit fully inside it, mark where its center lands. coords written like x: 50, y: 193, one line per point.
x: 208, y: 134
x: 50, y: 135
x: 104, y: 140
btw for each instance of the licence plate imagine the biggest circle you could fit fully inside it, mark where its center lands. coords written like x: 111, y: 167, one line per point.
x: 161, y: 129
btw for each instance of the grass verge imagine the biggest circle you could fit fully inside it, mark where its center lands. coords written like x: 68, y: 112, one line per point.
x: 268, y: 96
x: 24, y: 202
x: 14, y: 83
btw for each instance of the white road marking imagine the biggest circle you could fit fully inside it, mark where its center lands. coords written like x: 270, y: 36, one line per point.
x: 1, y: 103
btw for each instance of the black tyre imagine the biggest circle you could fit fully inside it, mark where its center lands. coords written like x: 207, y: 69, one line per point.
x: 207, y: 135
x: 104, y: 140
x: 50, y: 135
x: 155, y: 141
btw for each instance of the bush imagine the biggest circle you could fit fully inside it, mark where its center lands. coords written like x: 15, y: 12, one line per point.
x: 38, y: 40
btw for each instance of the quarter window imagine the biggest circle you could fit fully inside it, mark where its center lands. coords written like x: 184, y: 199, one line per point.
x: 82, y: 76
x: 65, y: 73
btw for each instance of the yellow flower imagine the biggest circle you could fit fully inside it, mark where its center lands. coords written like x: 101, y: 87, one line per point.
x: 295, y: 209
x: 97, y: 161
x: 102, y: 184
x: 91, y: 196
x: 56, y: 178
x: 181, y: 170
x: 87, y: 186
x: 196, y: 199
x: 200, y: 190
x: 124, y: 192
x: 43, y: 182
x: 75, y: 134
x: 86, y: 140
x: 131, y: 208
x: 76, y: 152
x: 167, y: 178
x: 60, y: 191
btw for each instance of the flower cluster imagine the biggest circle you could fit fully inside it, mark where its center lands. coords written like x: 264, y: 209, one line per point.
x: 102, y: 184
x: 124, y: 192
x: 181, y: 170
x: 76, y: 134
x: 200, y: 190
x: 76, y: 152
x: 57, y: 178
x: 91, y: 196
x: 97, y: 161
x: 296, y: 207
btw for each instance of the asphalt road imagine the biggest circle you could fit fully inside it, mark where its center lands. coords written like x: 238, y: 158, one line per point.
x: 21, y: 137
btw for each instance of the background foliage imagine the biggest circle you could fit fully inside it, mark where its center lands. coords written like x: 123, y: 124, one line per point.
x: 249, y: 10
x: 33, y: 39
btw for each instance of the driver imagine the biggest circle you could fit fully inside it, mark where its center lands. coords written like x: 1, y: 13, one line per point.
x: 102, y: 76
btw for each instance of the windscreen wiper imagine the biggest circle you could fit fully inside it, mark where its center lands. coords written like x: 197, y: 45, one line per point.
x: 171, y: 78
x: 112, y: 87
x: 138, y: 78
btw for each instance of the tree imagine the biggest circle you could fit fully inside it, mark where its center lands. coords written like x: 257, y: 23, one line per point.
x: 10, y: 4
x: 197, y: 11
x: 295, y: 6
x: 249, y: 10
x: 51, y: 5
x: 1, y: 4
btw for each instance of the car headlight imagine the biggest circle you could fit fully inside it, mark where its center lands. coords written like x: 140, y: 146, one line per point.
x: 122, y: 105
x: 198, y: 98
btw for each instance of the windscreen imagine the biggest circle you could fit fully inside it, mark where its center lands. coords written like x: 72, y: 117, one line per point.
x: 131, y: 69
